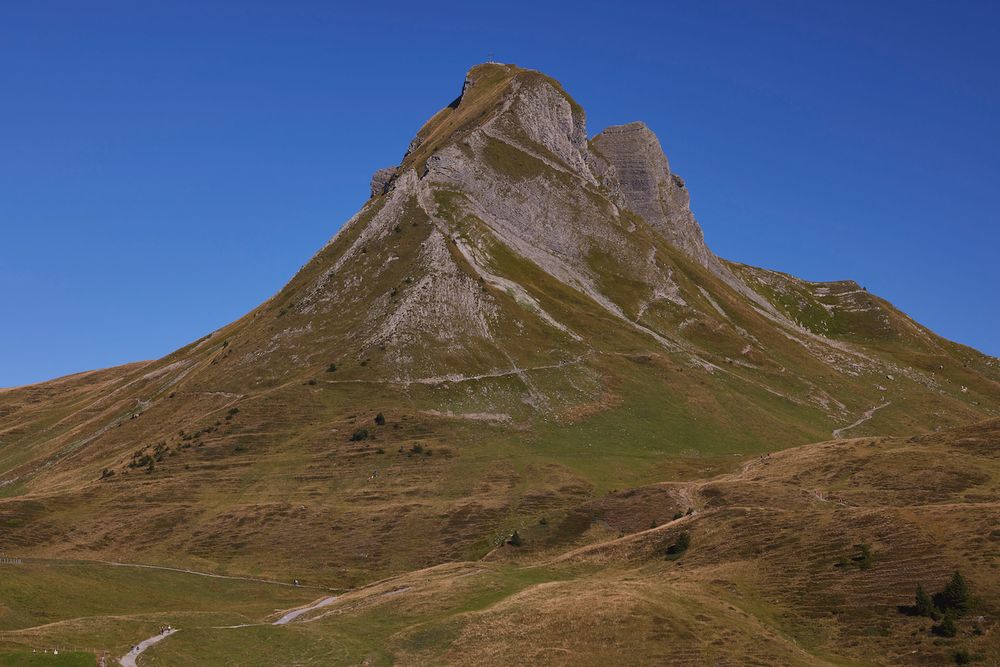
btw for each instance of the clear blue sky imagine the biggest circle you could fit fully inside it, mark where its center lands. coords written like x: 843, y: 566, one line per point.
x: 166, y: 166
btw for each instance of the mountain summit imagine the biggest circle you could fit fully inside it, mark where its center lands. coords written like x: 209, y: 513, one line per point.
x: 519, y: 319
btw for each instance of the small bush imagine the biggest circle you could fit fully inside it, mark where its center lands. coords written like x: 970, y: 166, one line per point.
x: 515, y: 540
x: 417, y: 449
x: 380, y: 419
x: 679, y: 546
x: 923, y: 604
x: 946, y: 628
x: 332, y: 368
x: 955, y: 594
x: 864, y: 558
x: 311, y: 382
x: 962, y: 657
x: 359, y: 435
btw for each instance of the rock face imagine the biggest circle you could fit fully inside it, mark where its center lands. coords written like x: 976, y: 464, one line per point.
x: 381, y: 180
x: 650, y: 189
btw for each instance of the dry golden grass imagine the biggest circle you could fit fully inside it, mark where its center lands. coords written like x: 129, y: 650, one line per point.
x: 771, y: 576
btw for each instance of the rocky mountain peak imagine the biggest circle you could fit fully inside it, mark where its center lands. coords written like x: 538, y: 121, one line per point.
x: 530, y: 113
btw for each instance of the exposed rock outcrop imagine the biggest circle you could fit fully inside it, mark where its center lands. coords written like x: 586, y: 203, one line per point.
x: 650, y: 189
x: 382, y: 179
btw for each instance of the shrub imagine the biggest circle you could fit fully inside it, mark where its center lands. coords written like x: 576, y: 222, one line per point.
x: 962, y: 657
x: 311, y: 382
x: 679, y: 546
x: 955, y: 594
x: 514, y: 540
x: 380, y: 419
x: 107, y: 472
x: 678, y: 515
x: 924, y: 605
x: 946, y: 628
x: 359, y: 435
x: 417, y: 449
x: 140, y: 460
x: 332, y: 368
x: 863, y: 559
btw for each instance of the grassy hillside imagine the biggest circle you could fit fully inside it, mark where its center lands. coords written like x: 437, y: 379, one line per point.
x: 809, y: 556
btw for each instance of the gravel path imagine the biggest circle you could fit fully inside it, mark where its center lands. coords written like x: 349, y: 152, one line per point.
x: 865, y: 417
x: 295, y: 613
x: 128, y: 660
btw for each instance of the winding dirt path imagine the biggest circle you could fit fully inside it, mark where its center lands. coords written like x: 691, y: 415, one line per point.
x: 868, y: 414
x: 295, y: 613
x: 128, y: 660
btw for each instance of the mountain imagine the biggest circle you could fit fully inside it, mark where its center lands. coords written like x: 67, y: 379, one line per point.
x: 518, y: 324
